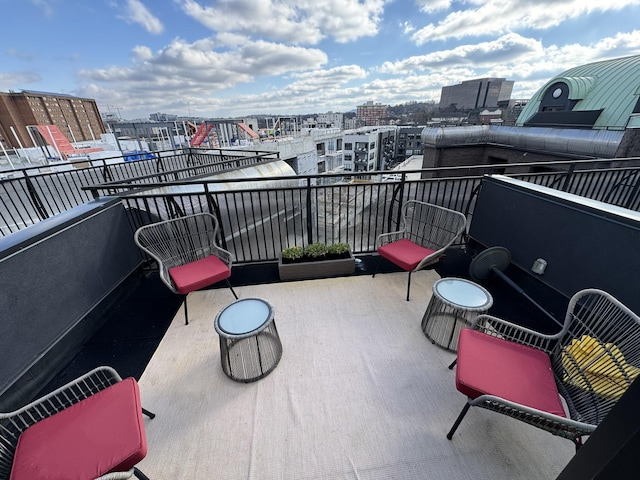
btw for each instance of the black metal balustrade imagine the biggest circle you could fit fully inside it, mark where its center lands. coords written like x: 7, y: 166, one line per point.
x: 257, y: 222
x: 29, y: 195
x: 260, y: 216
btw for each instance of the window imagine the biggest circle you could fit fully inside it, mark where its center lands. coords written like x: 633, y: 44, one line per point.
x: 348, y: 146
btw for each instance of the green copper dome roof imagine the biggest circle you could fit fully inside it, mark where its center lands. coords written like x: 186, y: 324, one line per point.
x: 612, y: 86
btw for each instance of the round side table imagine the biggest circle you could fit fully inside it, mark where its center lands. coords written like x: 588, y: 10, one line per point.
x: 250, y: 346
x: 454, y: 303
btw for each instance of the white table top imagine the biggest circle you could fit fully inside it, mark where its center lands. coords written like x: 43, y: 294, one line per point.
x: 463, y: 293
x: 243, y: 316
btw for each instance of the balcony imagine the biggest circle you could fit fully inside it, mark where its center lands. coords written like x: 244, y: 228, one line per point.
x: 360, y: 392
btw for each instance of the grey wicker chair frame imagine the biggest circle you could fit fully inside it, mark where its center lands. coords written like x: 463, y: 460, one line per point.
x: 182, y: 240
x: 14, y: 423
x: 428, y: 225
x: 590, y: 312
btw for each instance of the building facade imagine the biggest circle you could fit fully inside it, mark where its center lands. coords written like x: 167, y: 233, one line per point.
x: 372, y: 113
x: 477, y: 93
x: 368, y: 149
x: 409, y: 142
x: 330, y: 120
x: 77, y: 118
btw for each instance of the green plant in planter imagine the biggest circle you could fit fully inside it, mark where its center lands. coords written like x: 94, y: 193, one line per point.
x: 292, y: 253
x: 316, y: 250
x: 338, y: 248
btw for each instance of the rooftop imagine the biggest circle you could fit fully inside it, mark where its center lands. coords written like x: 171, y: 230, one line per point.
x: 360, y: 392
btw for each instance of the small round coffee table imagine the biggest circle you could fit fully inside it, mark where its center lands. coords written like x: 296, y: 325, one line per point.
x: 250, y: 346
x: 454, y: 303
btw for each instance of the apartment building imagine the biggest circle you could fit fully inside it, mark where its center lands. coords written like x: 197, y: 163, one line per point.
x: 368, y: 149
x: 77, y: 118
x: 330, y: 120
x: 409, y: 142
x: 372, y: 113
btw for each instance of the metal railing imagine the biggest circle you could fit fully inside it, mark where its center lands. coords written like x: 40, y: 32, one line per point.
x: 29, y: 195
x: 260, y: 216
x: 352, y: 208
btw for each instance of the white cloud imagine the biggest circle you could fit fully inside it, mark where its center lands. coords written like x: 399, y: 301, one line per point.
x: 136, y: 12
x: 507, y: 48
x: 431, y: 6
x: 502, y: 16
x: 9, y: 80
x: 199, y: 66
x: 294, y: 21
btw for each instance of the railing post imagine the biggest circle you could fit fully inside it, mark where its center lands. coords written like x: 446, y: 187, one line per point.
x: 106, y: 172
x: 94, y: 193
x: 634, y: 193
x: 567, y: 178
x: 35, y: 198
x: 398, y: 193
x: 160, y: 167
x: 309, y: 213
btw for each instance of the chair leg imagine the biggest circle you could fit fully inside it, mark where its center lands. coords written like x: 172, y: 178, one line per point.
x: 458, y: 420
x: 148, y: 413
x: 578, y: 443
x: 231, y: 288
x: 139, y: 475
x: 408, y: 286
x: 453, y: 364
x: 186, y: 315
x: 375, y: 270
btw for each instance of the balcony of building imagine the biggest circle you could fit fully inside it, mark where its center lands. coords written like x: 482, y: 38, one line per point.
x: 360, y: 391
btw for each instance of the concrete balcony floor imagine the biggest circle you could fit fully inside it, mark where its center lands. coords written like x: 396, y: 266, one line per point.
x: 360, y: 393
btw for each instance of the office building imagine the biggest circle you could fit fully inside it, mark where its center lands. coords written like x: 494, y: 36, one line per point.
x: 477, y: 93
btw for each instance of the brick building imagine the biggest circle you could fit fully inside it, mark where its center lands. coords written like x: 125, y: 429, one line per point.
x: 77, y: 118
x: 372, y: 113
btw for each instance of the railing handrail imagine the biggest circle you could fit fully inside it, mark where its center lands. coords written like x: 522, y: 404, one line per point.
x: 33, y: 198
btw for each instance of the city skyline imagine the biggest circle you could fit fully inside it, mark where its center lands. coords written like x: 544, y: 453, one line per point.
x: 235, y: 58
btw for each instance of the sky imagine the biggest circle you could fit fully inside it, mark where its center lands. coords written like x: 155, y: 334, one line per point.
x: 237, y: 58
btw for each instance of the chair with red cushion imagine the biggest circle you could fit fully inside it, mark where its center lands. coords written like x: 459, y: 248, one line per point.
x: 427, y: 231
x: 564, y: 383
x: 188, y: 253
x: 90, y: 428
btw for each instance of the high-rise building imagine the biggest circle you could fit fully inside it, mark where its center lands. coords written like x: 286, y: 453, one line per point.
x: 372, y: 113
x: 77, y: 118
x: 477, y: 93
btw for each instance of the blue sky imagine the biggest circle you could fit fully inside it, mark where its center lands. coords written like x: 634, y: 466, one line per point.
x: 231, y: 58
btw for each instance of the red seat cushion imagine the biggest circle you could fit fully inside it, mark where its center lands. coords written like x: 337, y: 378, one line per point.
x: 509, y: 370
x: 98, y: 435
x: 404, y: 253
x: 199, y: 274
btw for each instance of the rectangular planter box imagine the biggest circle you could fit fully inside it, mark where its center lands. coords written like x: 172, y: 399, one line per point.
x: 317, y: 269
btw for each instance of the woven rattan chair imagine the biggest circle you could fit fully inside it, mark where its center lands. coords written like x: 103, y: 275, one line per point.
x: 564, y: 383
x: 427, y: 231
x: 91, y: 427
x: 188, y: 254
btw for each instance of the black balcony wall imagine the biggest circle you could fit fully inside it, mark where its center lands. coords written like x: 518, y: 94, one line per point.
x: 587, y: 244
x: 57, y: 277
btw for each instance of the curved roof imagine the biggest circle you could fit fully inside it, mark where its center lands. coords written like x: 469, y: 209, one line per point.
x: 612, y: 86
x: 267, y: 170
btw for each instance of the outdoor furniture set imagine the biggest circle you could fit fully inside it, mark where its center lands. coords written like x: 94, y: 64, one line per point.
x: 564, y: 383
